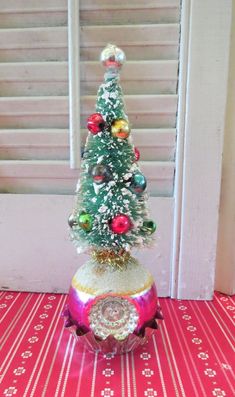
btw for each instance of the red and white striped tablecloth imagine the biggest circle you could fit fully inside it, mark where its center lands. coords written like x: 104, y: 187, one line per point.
x: 192, y: 353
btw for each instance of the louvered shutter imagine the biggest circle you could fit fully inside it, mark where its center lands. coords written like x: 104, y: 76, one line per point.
x: 34, y: 97
x: 34, y: 107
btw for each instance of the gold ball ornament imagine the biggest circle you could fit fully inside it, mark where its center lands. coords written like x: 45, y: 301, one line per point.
x: 120, y: 129
x: 112, y: 57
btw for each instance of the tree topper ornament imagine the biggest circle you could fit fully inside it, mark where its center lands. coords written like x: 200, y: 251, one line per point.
x: 112, y: 57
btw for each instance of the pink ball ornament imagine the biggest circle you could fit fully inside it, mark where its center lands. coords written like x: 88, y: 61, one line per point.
x: 95, y: 123
x: 112, y: 316
x: 120, y: 224
x: 137, y: 154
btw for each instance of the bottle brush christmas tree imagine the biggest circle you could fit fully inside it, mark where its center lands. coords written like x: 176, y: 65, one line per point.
x: 112, y: 302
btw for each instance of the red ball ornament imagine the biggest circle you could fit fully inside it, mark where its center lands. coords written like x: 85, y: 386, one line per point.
x: 95, y: 123
x: 137, y: 154
x: 120, y: 224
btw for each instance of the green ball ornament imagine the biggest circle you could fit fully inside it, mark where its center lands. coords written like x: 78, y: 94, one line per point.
x: 149, y: 227
x: 85, y: 221
x: 138, y: 183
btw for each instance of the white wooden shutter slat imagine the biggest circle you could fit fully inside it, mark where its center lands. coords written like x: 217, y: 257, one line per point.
x: 53, y: 144
x: 145, y: 137
x: 130, y: 35
x: 40, y: 37
x: 137, y: 104
x: 34, y: 88
x: 54, y: 5
x: 34, y: 78
x: 37, y: 18
x: 147, y: 77
x: 122, y: 12
x: 59, y: 105
x: 56, y: 37
x: 50, y: 168
x: 33, y: 54
x: 21, y: 6
x: 22, y: 14
x: 50, y: 120
x: 147, y: 120
x: 51, y: 78
x: 55, y: 177
x: 34, y: 144
x: 120, y: 4
x: 33, y: 71
x: 32, y: 120
x: 129, y: 15
x: 58, y: 71
x: 136, y: 51
x: 36, y: 106
x: 26, y: 112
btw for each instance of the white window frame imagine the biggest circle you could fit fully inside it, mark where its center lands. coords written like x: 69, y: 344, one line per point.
x: 204, y: 56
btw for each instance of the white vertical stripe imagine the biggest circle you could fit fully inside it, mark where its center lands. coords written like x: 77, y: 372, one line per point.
x: 122, y: 374
x: 74, y: 82
x: 94, y: 376
x: 133, y: 374
x: 63, y: 367
x: 159, y: 367
x: 80, y: 373
x: 68, y: 368
x: 128, y: 376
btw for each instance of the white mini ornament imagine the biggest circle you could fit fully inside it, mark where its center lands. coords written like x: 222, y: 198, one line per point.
x: 112, y: 57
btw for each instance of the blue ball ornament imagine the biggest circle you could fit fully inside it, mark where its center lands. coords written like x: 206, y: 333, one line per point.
x: 138, y: 183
